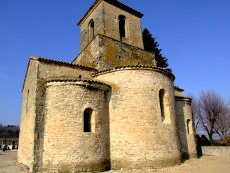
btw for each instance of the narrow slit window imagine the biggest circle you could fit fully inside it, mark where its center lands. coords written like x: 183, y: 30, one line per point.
x: 188, y: 126
x: 161, y: 98
x: 122, y: 26
x: 27, y: 100
x: 91, y: 30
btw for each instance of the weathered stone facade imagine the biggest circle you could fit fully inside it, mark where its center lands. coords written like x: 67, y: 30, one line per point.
x: 134, y: 108
x: 185, y: 125
x: 83, y: 150
x: 106, y: 22
x: 111, y: 108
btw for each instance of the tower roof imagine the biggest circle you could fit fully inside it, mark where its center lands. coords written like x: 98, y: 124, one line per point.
x: 112, y: 2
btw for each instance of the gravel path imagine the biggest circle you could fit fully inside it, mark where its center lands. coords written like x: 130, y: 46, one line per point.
x: 206, y: 164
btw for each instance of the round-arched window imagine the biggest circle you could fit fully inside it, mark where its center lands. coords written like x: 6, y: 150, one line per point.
x: 89, y: 120
x: 122, y: 26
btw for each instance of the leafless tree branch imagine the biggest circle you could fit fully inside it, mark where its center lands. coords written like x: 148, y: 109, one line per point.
x: 210, y: 114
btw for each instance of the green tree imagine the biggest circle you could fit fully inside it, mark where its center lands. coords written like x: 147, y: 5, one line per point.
x: 151, y: 45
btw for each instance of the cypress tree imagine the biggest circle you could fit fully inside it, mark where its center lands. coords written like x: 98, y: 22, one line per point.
x: 151, y: 45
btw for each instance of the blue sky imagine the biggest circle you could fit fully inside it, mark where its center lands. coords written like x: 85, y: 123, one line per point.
x: 193, y: 34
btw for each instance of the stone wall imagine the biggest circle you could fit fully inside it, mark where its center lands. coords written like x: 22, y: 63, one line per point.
x: 138, y: 137
x: 39, y: 124
x: 28, y: 116
x: 185, y: 127
x: 33, y: 109
x: 105, y: 18
x: 216, y: 151
x: 50, y: 69
x: 178, y: 91
x: 133, y: 26
x: 97, y: 16
x: 92, y: 54
x: 65, y: 142
x: 106, y: 53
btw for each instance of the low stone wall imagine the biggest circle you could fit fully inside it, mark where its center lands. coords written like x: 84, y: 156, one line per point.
x: 216, y: 151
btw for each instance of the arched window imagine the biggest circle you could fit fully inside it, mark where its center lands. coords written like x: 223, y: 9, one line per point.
x: 122, y: 26
x: 89, y: 120
x: 164, y: 107
x: 91, y: 30
x: 161, y: 98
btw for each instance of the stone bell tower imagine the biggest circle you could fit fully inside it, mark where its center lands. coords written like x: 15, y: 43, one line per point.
x: 111, y: 36
x: 112, y: 19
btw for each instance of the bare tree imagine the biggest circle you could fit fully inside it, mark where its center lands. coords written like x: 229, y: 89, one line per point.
x: 195, y: 117
x: 222, y: 127
x: 211, y: 115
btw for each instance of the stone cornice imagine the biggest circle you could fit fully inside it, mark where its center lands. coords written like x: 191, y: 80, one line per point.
x: 182, y: 98
x: 137, y: 67
x: 87, y: 83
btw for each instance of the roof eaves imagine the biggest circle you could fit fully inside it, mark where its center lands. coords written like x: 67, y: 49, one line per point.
x: 178, y: 88
x: 78, y: 80
x: 63, y: 63
x: 166, y: 71
x: 182, y: 98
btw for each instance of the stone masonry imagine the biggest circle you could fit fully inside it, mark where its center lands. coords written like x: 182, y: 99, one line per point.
x: 111, y: 108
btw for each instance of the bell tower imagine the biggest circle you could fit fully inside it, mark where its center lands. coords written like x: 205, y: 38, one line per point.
x: 111, y: 36
x: 112, y: 19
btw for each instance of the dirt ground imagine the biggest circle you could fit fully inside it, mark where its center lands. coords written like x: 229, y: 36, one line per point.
x: 8, y: 163
x: 205, y: 164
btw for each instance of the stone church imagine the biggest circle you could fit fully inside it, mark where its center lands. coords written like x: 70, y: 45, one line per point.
x: 110, y: 108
